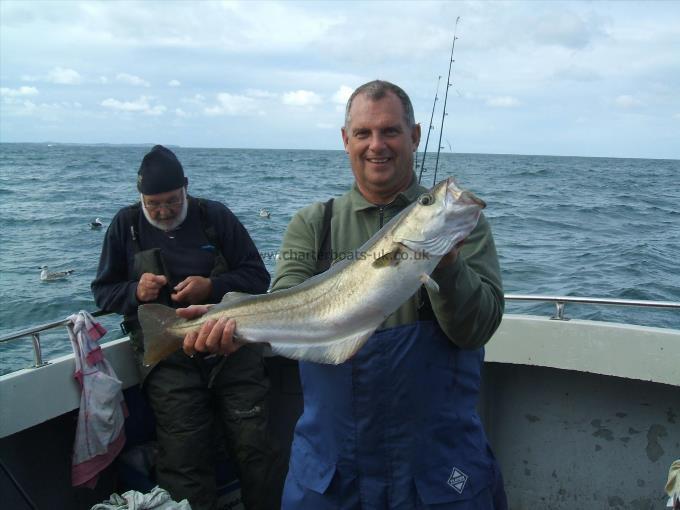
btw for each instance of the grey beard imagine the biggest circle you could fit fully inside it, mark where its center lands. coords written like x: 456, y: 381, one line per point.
x: 165, y: 226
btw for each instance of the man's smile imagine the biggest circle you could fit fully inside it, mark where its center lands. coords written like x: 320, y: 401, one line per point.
x: 378, y: 161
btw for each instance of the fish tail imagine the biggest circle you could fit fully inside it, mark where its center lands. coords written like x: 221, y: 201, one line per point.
x: 159, y: 339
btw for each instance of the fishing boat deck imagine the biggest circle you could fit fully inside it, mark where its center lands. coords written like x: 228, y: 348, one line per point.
x: 580, y: 414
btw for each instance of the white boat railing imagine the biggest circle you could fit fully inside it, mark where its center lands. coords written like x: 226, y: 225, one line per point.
x: 559, y: 301
x: 34, y: 333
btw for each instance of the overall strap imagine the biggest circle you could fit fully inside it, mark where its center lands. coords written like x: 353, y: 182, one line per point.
x: 132, y: 213
x: 208, y: 229
x: 325, y: 255
x: 221, y: 266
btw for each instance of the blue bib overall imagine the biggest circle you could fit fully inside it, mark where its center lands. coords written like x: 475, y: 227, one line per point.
x: 395, y: 427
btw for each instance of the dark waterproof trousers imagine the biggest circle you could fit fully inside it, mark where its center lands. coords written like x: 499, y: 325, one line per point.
x: 193, y: 398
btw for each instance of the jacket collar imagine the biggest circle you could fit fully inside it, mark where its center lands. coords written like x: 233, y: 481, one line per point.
x: 404, y: 198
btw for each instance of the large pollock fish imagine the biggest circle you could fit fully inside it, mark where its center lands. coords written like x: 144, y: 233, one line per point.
x: 329, y: 317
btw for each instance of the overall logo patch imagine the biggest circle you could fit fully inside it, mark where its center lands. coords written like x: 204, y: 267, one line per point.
x: 457, y: 480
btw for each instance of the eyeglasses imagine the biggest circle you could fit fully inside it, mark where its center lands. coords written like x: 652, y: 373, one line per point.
x: 173, y: 203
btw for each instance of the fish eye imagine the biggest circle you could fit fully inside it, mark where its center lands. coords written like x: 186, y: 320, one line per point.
x: 426, y: 199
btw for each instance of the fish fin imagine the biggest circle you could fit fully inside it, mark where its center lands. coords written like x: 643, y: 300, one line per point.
x: 159, y: 341
x: 230, y: 298
x: 391, y: 258
x: 338, y: 352
x: 427, y: 280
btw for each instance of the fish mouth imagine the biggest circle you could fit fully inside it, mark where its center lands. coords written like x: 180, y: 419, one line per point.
x: 455, y: 194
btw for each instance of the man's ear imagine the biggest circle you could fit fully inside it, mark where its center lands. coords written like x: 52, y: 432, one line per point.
x: 345, y: 137
x: 415, y: 137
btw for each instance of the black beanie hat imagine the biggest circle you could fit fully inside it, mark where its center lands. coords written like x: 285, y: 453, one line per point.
x: 159, y: 172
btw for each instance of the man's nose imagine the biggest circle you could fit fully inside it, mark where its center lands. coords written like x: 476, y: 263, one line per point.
x: 377, y: 142
x: 165, y: 213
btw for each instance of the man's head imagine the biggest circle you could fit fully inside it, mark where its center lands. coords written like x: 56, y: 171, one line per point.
x: 162, y: 186
x: 380, y: 136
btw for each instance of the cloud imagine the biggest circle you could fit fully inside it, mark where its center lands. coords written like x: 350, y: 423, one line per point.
x: 141, y: 105
x: 174, y: 83
x: 579, y: 74
x: 342, y: 95
x: 51, y: 112
x: 64, y: 76
x: 260, y: 93
x: 231, y: 104
x: 198, y: 99
x: 131, y: 79
x: 301, y: 98
x: 502, y: 102
x: 627, y: 101
x: 18, y: 107
x: 21, y: 91
x: 566, y: 29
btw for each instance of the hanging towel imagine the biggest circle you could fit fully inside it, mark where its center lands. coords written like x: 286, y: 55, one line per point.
x: 673, y: 486
x: 99, y: 434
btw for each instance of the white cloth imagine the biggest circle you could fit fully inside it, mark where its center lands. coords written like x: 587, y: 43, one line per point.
x: 99, y: 434
x: 673, y: 486
x: 157, y: 499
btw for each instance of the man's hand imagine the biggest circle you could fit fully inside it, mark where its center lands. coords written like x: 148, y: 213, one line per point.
x: 215, y: 336
x: 192, y: 290
x: 149, y: 286
x: 451, y: 256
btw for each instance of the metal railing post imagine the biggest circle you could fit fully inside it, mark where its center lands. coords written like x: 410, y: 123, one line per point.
x: 37, y: 351
x: 559, y: 312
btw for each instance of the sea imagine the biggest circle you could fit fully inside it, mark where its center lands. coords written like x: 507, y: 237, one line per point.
x: 563, y: 226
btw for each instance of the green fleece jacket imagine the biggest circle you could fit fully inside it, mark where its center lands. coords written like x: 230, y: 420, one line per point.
x: 469, y: 304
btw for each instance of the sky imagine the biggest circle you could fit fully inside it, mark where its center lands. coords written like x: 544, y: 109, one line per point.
x: 528, y: 77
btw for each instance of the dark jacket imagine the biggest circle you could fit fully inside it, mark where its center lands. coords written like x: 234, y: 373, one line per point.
x: 185, y: 251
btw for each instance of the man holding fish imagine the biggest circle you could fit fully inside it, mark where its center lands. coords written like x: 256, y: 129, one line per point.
x: 390, y: 344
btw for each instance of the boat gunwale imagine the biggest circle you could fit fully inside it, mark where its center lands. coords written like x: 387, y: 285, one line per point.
x: 508, y: 297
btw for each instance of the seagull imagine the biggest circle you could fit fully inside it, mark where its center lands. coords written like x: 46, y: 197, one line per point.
x: 264, y: 213
x: 94, y: 225
x: 58, y: 275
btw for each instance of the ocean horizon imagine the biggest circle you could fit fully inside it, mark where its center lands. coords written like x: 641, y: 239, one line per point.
x: 420, y: 153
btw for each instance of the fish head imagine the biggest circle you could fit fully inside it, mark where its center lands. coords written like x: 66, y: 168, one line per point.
x: 439, y: 219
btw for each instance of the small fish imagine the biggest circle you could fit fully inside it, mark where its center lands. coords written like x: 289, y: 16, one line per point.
x: 327, y: 318
x: 46, y: 276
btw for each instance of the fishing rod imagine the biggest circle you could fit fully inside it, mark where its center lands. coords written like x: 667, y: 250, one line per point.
x: 429, y: 130
x: 446, y: 95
